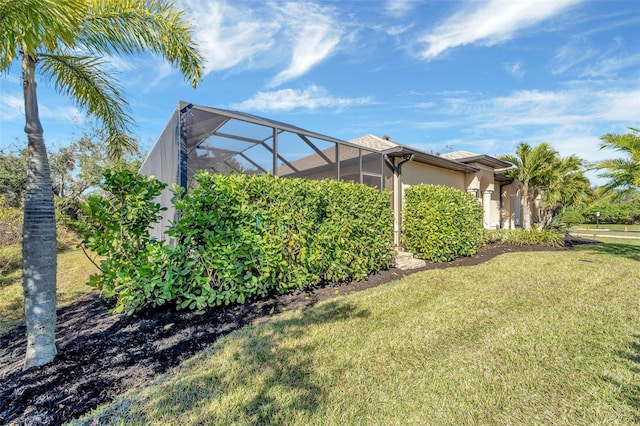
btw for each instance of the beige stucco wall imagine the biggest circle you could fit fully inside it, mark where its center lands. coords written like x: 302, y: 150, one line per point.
x: 414, y: 173
x: 482, y: 179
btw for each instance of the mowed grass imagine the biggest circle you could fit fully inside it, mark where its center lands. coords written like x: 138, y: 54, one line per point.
x: 73, y: 272
x: 612, y: 240
x: 526, y: 338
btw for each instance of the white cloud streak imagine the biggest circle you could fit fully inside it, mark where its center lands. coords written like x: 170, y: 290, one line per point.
x: 11, y: 107
x: 610, y: 67
x: 313, y: 97
x: 515, y: 69
x: 12, y: 110
x: 570, y: 56
x: 398, y: 8
x: 488, y: 23
x: 571, y: 120
x: 247, y: 35
x: 228, y: 35
x: 547, y: 108
x: 315, y: 35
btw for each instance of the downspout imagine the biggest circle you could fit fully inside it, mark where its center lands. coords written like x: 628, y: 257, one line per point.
x: 397, y: 169
x: 182, y: 146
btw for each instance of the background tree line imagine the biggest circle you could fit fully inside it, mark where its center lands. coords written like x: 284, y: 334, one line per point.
x: 76, y: 170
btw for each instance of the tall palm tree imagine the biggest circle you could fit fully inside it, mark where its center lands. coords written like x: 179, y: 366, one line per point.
x: 623, y: 173
x: 531, y: 166
x: 66, y: 42
x: 565, y: 185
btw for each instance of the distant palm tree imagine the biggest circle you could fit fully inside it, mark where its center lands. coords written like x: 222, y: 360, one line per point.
x: 67, y: 42
x: 531, y: 166
x: 564, y: 185
x: 623, y: 173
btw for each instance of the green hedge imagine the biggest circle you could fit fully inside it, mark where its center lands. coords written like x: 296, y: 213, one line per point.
x: 133, y: 268
x: 441, y: 223
x: 242, y: 236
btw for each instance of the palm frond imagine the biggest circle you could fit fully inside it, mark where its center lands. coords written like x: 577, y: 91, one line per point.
x: 84, y: 80
x: 29, y: 26
x: 628, y: 143
x: 131, y: 26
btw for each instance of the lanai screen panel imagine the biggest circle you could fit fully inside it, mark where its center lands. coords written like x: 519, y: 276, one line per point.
x: 306, y: 157
x: 163, y: 163
x: 223, y: 141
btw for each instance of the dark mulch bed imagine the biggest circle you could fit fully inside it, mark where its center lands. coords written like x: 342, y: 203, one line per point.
x: 102, y: 355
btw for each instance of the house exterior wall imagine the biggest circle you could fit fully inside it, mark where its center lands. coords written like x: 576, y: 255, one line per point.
x: 482, y: 184
x: 496, y: 198
x: 497, y: 209
x: 414, y: 173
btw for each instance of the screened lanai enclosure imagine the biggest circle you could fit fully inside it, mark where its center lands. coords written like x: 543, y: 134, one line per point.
x: 222, y: 141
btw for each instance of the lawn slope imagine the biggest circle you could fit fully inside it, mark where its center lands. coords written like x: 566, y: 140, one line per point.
x: 526, y: 338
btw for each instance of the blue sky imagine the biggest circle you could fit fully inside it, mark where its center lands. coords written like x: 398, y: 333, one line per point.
x: 479, y: 75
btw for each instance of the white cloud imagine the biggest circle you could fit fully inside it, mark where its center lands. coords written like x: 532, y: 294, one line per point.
x: 264, y: 35
x: 161, y: 70
x: 398, y: 8
x: 121, y: 63
x: 515, y: 69
x: 11, y: 107
x: 571, y: 56
x: 572, y: 120
x: 579, y: 106
x: 621, y: 106
x: 230, y: 35
x: 610, y: 67
x: 290, y: 99
x: 433, y: 124
x: 489, y: 23
x: 315, y: 35
x: 396, y: 30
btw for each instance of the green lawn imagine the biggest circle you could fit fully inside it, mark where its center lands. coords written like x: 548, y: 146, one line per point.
x: 526, y: 338
x: 618, y: 242
x: 606, y: 236
x: 73, y: 272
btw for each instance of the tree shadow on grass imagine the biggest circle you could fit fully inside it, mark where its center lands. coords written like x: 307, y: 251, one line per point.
x: 623, y: 250
x: 630, y: 392
x: 261, y: 376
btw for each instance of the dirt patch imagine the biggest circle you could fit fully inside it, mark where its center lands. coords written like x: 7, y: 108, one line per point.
x: 102, y: 355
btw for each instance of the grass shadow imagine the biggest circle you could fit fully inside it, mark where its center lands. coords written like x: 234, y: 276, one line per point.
x: 624, y: 250
x: 256, y: 377
x: 630, y: 392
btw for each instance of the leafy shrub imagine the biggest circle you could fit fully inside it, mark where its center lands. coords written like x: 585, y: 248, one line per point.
x: 237, y: 237
x: 523, y: 237
x: 441, y: 223
x: 116, y: 228
x: 573, y: 216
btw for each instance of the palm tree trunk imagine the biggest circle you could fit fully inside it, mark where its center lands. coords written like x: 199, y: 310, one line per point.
x: 527, y: 207
x: 39, y: 234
